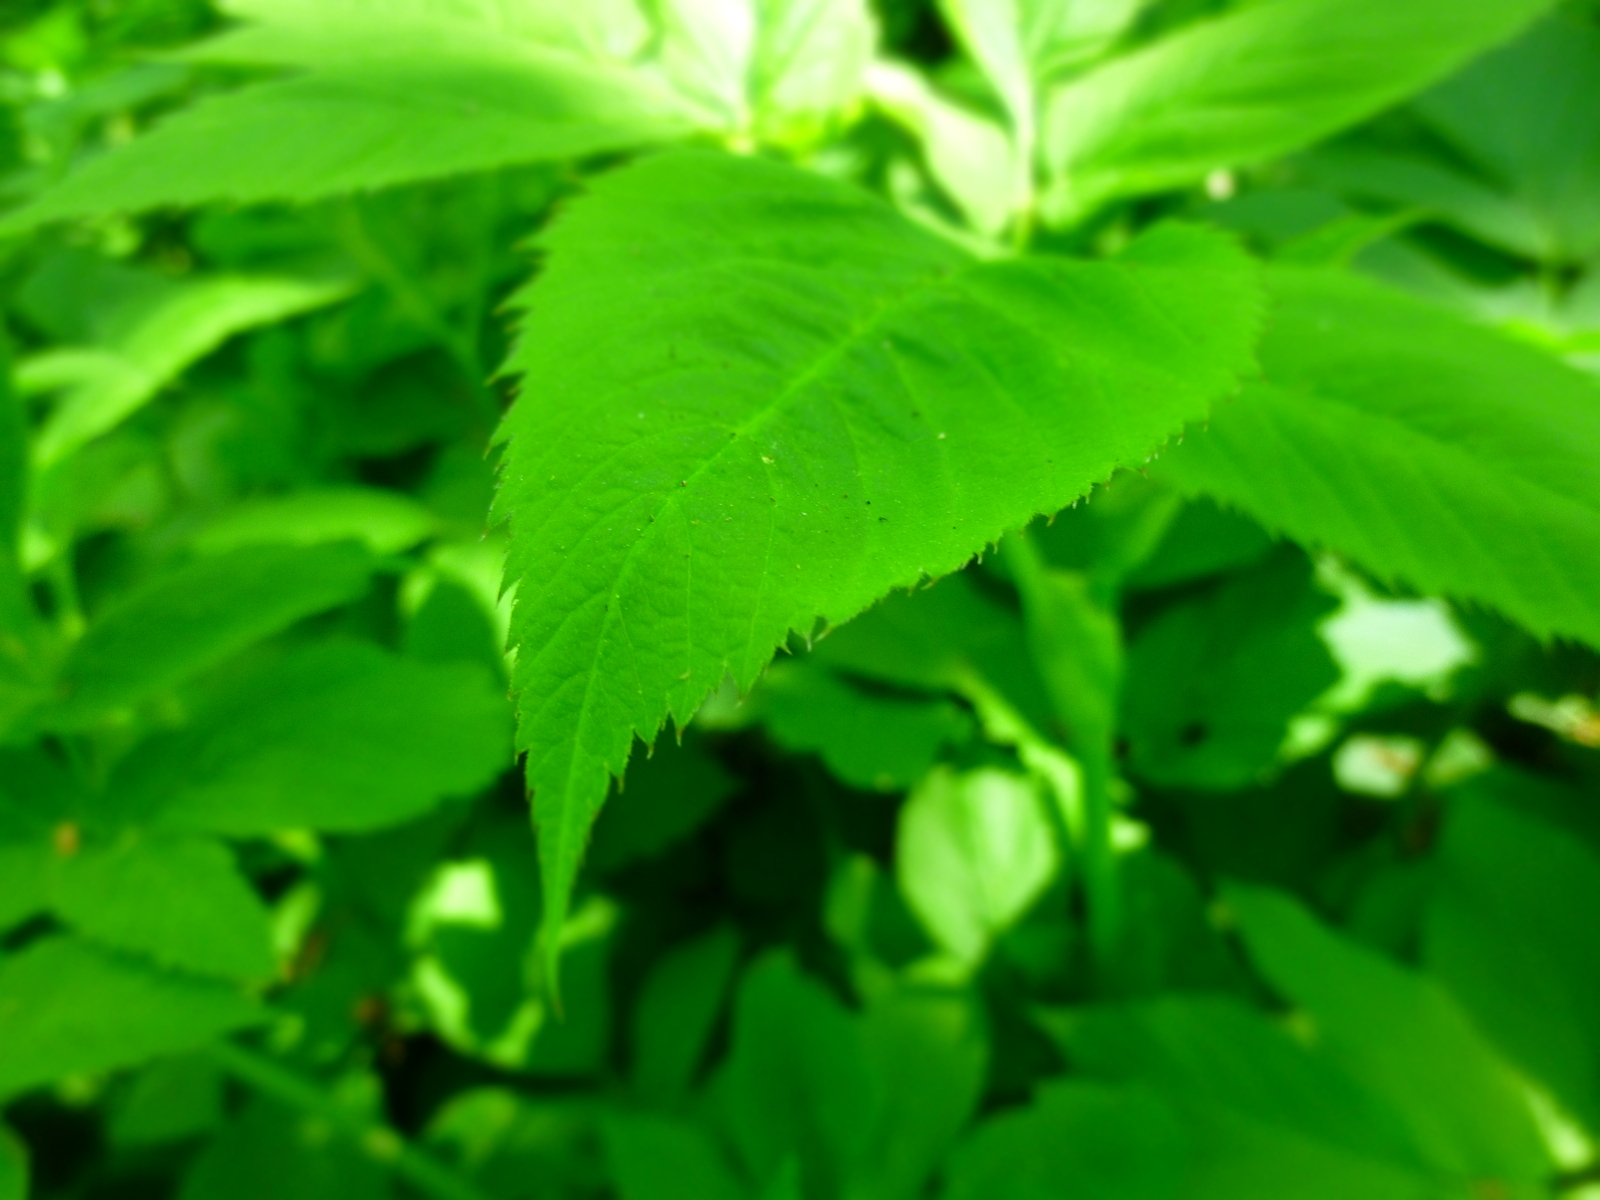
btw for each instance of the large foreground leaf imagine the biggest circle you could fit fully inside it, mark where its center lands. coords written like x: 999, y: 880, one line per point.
x: 1428, y: 449
x: 1252, y: 84
x: 755, y: 399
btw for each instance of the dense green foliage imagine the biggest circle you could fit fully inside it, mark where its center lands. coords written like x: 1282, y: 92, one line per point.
x: 414, y: 408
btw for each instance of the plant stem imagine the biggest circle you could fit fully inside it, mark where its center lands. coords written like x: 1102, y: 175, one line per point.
x: 1075, y: 643
x: 382, y: 1142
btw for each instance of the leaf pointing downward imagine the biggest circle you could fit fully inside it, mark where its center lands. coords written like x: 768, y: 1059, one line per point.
x: 754, y: 398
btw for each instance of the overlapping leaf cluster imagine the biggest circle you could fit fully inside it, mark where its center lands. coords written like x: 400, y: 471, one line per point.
x: 1222, y: 833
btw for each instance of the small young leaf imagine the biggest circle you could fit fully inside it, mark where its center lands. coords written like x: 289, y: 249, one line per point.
x: 190, y: 618
x: 1256, y: 82
x: 67, y: 1008
x: 1427, y: 448
x: 751, y: 405
x: 974, y: 851
x: 338, y: 736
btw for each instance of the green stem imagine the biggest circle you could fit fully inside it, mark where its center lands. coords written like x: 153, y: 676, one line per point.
x: 382, y: 1142
x: 1062, y: 639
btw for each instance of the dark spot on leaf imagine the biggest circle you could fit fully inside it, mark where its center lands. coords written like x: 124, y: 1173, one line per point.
x: 1193, y: 733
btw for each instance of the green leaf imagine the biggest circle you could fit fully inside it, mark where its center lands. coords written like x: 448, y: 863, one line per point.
x: 384, y: 96
x: 1525, y: 166
x: 677, y: 1010
x: 930, y: 1055
x: 883, y: 742
x: 40, y: 806
x: 386, y: 522
x: 337, y: 736
x: 1108, y: 1142
x: 268, y: 1153
x: 1213, y: 683
x: 777, y: 69
x: 1430, y: 450
x: 653, y: 1158
x: 192, y: 617
x: 968, y: 155
x: 169, y: 1101
x: 973, y: 852
x: 796, y: 1082
x: 1524, y: 116
x: 20, y: 686
x: 755, y: 409
x: 149, y: 341
x: 1260, y: 1103
x: 1509, y: 931
x: 180, y: 900
x: 67, y: 1008
x: 13, y: 1166
x: 1256, y: 82
x: 1403, y: 1040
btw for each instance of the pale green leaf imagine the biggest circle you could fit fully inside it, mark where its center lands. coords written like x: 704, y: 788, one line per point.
x: 67, y: 1008
x: 387, y: 95
x: 156, y: 338
x: 386, y: 521
x: 969, y: 156
x: 1510, y: 930
x: 763, y: 399
x: 179, y: 900
x: 1400, y: 1036
x: 1064, y: 35
x: 189, y: 618
x: 973, y: 852
x: 991, y: 33
x: 1426, y: 448
x: 810, y: 60
x: 1253, y: 83
x: 338, y: 736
